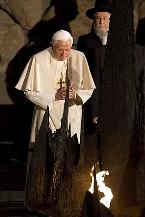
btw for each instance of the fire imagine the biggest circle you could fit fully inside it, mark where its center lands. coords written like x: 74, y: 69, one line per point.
x: 106, y: 200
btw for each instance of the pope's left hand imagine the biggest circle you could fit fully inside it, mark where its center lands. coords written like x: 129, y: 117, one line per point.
x: 72, y: 93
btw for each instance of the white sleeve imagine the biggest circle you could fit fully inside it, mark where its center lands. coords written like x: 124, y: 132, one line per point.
x: 41, y: 100
x: 83, y: 95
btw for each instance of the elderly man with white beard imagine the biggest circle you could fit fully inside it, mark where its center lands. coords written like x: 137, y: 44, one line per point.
x: 93, y: 46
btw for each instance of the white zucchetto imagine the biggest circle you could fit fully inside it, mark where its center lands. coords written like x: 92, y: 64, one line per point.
x: 62, y: 35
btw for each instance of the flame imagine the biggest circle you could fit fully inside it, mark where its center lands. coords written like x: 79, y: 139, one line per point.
x: 106, y: 200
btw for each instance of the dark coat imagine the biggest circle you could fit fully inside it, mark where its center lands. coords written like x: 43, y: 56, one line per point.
x: 140, y: 82
x: 94, y: 51
x: 140, y: 65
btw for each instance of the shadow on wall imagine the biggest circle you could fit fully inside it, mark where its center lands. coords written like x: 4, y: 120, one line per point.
x: 140, y: 33
x: 39, y: 39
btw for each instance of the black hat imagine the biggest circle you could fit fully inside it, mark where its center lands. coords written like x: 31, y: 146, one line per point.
x: 100, y: 6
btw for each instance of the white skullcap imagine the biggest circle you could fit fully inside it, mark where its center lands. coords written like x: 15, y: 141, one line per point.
x: 62, y: 35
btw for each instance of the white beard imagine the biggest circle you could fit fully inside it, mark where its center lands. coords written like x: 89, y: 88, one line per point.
x: 102, y: 35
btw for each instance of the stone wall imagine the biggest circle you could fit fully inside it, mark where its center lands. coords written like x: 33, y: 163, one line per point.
x: 18, y: 18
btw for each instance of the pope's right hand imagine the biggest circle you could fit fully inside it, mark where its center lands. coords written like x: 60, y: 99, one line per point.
x: 60, y: 94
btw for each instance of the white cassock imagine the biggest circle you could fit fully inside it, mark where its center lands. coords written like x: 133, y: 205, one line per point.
x: 40, y: 81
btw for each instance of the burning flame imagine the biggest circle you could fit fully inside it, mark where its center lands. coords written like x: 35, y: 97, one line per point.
x: 106, y: 200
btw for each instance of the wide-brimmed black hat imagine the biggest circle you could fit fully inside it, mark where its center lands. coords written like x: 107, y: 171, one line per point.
x: 100, y: 6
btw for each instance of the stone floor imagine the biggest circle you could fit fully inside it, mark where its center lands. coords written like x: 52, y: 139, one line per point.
x: 12, y: 183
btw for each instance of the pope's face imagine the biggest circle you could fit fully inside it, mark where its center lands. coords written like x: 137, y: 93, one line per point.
x: 62, y: 49
x: 101, y: 21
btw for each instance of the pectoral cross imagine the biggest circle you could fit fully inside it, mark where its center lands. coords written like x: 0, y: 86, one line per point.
x: 61, y: 82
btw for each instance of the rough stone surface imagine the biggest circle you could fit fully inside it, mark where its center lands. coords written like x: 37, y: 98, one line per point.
x: 12, y: 37
x: 82, y: 24
x: 141, y: 10
x: 16, y: 16
x: 27, y: 12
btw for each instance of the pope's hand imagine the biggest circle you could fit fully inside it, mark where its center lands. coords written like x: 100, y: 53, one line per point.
x: 72, y: 93
x: 61, y: 93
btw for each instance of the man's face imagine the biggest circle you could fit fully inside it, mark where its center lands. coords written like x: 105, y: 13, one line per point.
x: 62, y: 49
x: 101, y: 21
